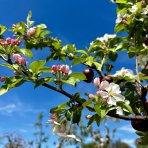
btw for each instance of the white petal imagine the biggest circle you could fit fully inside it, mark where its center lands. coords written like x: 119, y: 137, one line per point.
x: 126, y: 102
x: 56, y: 123
x: 104, y: 85
x: 115, y: 88
x: 74, y: 137
x: 111, y: 101
x: 119, y: 97
x: 119, y: 111
x: 103, y: 94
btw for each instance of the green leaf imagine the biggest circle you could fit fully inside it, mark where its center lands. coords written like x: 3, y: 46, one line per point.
x: 98, y: 66
x: 121, y: 1
x: 26, y: 52
x: 91, y: 120
x: 3, y: 89
x: 76, y: 116
x: 78, y: 60
x: 59, y: 108
x: 86, y: 103
x: 68, y: 115
x: 100, y: 111
x: 119, y: 27
x: 112, y: 56
x: 125, y: 106
x: 78, y: 76
x: 14, y: 81
x: 97, y: 109
x: 90, y: 60
x: 2, y: 29
x: 37, y: 65
x: 7, y: 65
x: 73, y: 78
x: 46, y: 69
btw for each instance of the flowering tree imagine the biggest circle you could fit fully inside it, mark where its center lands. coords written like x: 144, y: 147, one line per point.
x: 120, y: 95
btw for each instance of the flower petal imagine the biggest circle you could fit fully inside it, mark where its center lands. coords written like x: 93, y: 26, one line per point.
x: 111, y: 101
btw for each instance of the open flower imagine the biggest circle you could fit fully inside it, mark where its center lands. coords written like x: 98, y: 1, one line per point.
x: 106, y: 37
x: 112, y: 92
x: 125, y: 72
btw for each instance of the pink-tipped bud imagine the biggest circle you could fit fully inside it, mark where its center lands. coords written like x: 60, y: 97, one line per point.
x: 65, y: 69
x: 53, y: 116
x: 98, y: 94
x: 91, y: 96
x: 8, y: 40
x: 97, y: 82
x: 2, y: 79
x: 22, y: 61
x: 16, y: 57
x: 31, y: 32
x: 105, y: 100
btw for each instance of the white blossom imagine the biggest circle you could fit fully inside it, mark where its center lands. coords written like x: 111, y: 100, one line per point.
x: 134, y: 8
x: 106, y: 37
x: 142, y: 60
x: 112, y: 92
x: 125, y: 72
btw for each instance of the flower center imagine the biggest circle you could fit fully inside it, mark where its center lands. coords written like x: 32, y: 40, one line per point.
x: 111, y: 93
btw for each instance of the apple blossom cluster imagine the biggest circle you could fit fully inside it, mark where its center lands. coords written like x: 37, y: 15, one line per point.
x: 17, y: 58
x: 125, y: 73
x: 106, y: 37
x: 123, y: 16
x: 10, y: 41
x: 62, y: 68
x: 110, y: 93
x: 61, y: 127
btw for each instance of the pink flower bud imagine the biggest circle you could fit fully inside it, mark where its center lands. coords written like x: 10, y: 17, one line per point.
x: 53, y: 116
x: 8, y: 40
x: 31, y: 32
x: 91, y: 96
x: 2, y: 79
x: 15, y: 42
x: 65, y: 69
x: 98, y: 93
x: 22, y: 61
x: 97, y: 81
x: 16, y: 57
x: 105, y: 100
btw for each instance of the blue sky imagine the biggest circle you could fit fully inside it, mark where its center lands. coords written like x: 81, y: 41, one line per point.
x: 72, y: 21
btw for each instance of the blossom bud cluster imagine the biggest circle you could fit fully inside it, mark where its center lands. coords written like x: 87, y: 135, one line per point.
x: 2, y: 79
x: 31, y: 32
x: 10, y: 41
x: 57, y: 125
x: 62, y: 68
x: 19, y: 59
x: 109, y: 92
x: 61, y: 127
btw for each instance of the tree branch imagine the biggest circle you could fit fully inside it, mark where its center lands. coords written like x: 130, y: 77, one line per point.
x: 91, y: 108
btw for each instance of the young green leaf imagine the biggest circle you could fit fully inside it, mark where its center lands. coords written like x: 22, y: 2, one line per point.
x: 37, y: 65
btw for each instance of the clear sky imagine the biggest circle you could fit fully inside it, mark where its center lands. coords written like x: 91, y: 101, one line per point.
x: 73, y: 21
